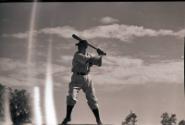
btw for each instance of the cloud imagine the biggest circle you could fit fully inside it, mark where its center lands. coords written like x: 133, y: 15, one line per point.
x: 108, y: 20
x: 65, y: 59
x: 20, y: 35
x: 7, y: 64
x: 117, y: 31
x: 115, y: 70
x: 126, y: 70
x: 14, y: 72
x: 64, y: 31
x: 181, y: 33
x: 16, y: 35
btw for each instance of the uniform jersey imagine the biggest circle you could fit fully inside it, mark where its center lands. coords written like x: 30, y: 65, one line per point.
x: 80, y: 63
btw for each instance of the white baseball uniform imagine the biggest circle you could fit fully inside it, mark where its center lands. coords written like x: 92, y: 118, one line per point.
x: 81, y: 80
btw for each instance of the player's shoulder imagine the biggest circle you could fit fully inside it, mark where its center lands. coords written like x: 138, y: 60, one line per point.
x: 79, y: 55
x: 89, y: 54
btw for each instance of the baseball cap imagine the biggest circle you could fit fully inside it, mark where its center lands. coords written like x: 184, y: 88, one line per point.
x: 82, y: 43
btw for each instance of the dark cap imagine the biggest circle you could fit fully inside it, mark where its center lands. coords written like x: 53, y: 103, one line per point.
x: 82, y: 43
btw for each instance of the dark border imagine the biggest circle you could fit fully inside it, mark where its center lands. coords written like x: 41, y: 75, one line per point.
x: 2, y: 1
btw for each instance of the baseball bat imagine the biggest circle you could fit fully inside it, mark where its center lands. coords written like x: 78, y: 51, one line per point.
x: 79, y: 39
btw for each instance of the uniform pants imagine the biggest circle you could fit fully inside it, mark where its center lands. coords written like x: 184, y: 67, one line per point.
x: 83, y: 82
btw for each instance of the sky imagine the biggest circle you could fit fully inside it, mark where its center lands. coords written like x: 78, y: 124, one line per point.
x: 143, y: 70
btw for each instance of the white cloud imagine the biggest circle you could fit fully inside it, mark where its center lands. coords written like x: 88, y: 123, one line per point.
x: 7, y: 64
x: 115, y: 70
x: 66, y: 59
x: 64, y: 31
x: 181, y: 33
x: 14, y: 72
x: 108, y: 20
x: 117, y: 31
x: 126, y: 70
x: 21, y: 35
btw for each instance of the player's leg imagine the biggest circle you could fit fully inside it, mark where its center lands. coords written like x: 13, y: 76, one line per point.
x: 71, y: 101
x: 92, y: 100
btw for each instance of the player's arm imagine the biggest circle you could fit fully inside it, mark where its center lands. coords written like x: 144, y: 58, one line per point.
x: 96, y: 60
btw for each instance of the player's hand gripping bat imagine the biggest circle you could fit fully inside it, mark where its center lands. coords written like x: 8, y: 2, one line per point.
x: 99, y: 51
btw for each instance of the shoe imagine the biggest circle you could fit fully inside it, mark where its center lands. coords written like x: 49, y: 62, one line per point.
x: 99, y: 123
x: 68, y: 115
x: 65, y: 121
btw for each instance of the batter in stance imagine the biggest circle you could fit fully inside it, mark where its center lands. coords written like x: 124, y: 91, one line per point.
x: 81, y: 64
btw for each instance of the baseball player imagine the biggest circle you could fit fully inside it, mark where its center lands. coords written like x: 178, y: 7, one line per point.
x: 81, y: 64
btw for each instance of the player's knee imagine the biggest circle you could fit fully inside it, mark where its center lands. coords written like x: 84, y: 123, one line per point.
x: 71, y: 100
x: 93, y: 103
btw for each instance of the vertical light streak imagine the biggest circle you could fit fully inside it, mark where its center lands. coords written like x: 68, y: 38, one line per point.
x: 31, y: 42
x: 7, y: 109
x: 30, y: 54
x: 31, y: 32
x: 37, y: 106
x: 49, y: 98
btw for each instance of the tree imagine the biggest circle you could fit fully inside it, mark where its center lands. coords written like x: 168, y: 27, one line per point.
x: 167, y: 119
x: 173, y: 119
x: 182, y: 122
x: 20, y: 107
x: 130, y: 119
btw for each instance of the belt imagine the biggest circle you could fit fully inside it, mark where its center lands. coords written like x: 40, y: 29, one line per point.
x: 81, y: 73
